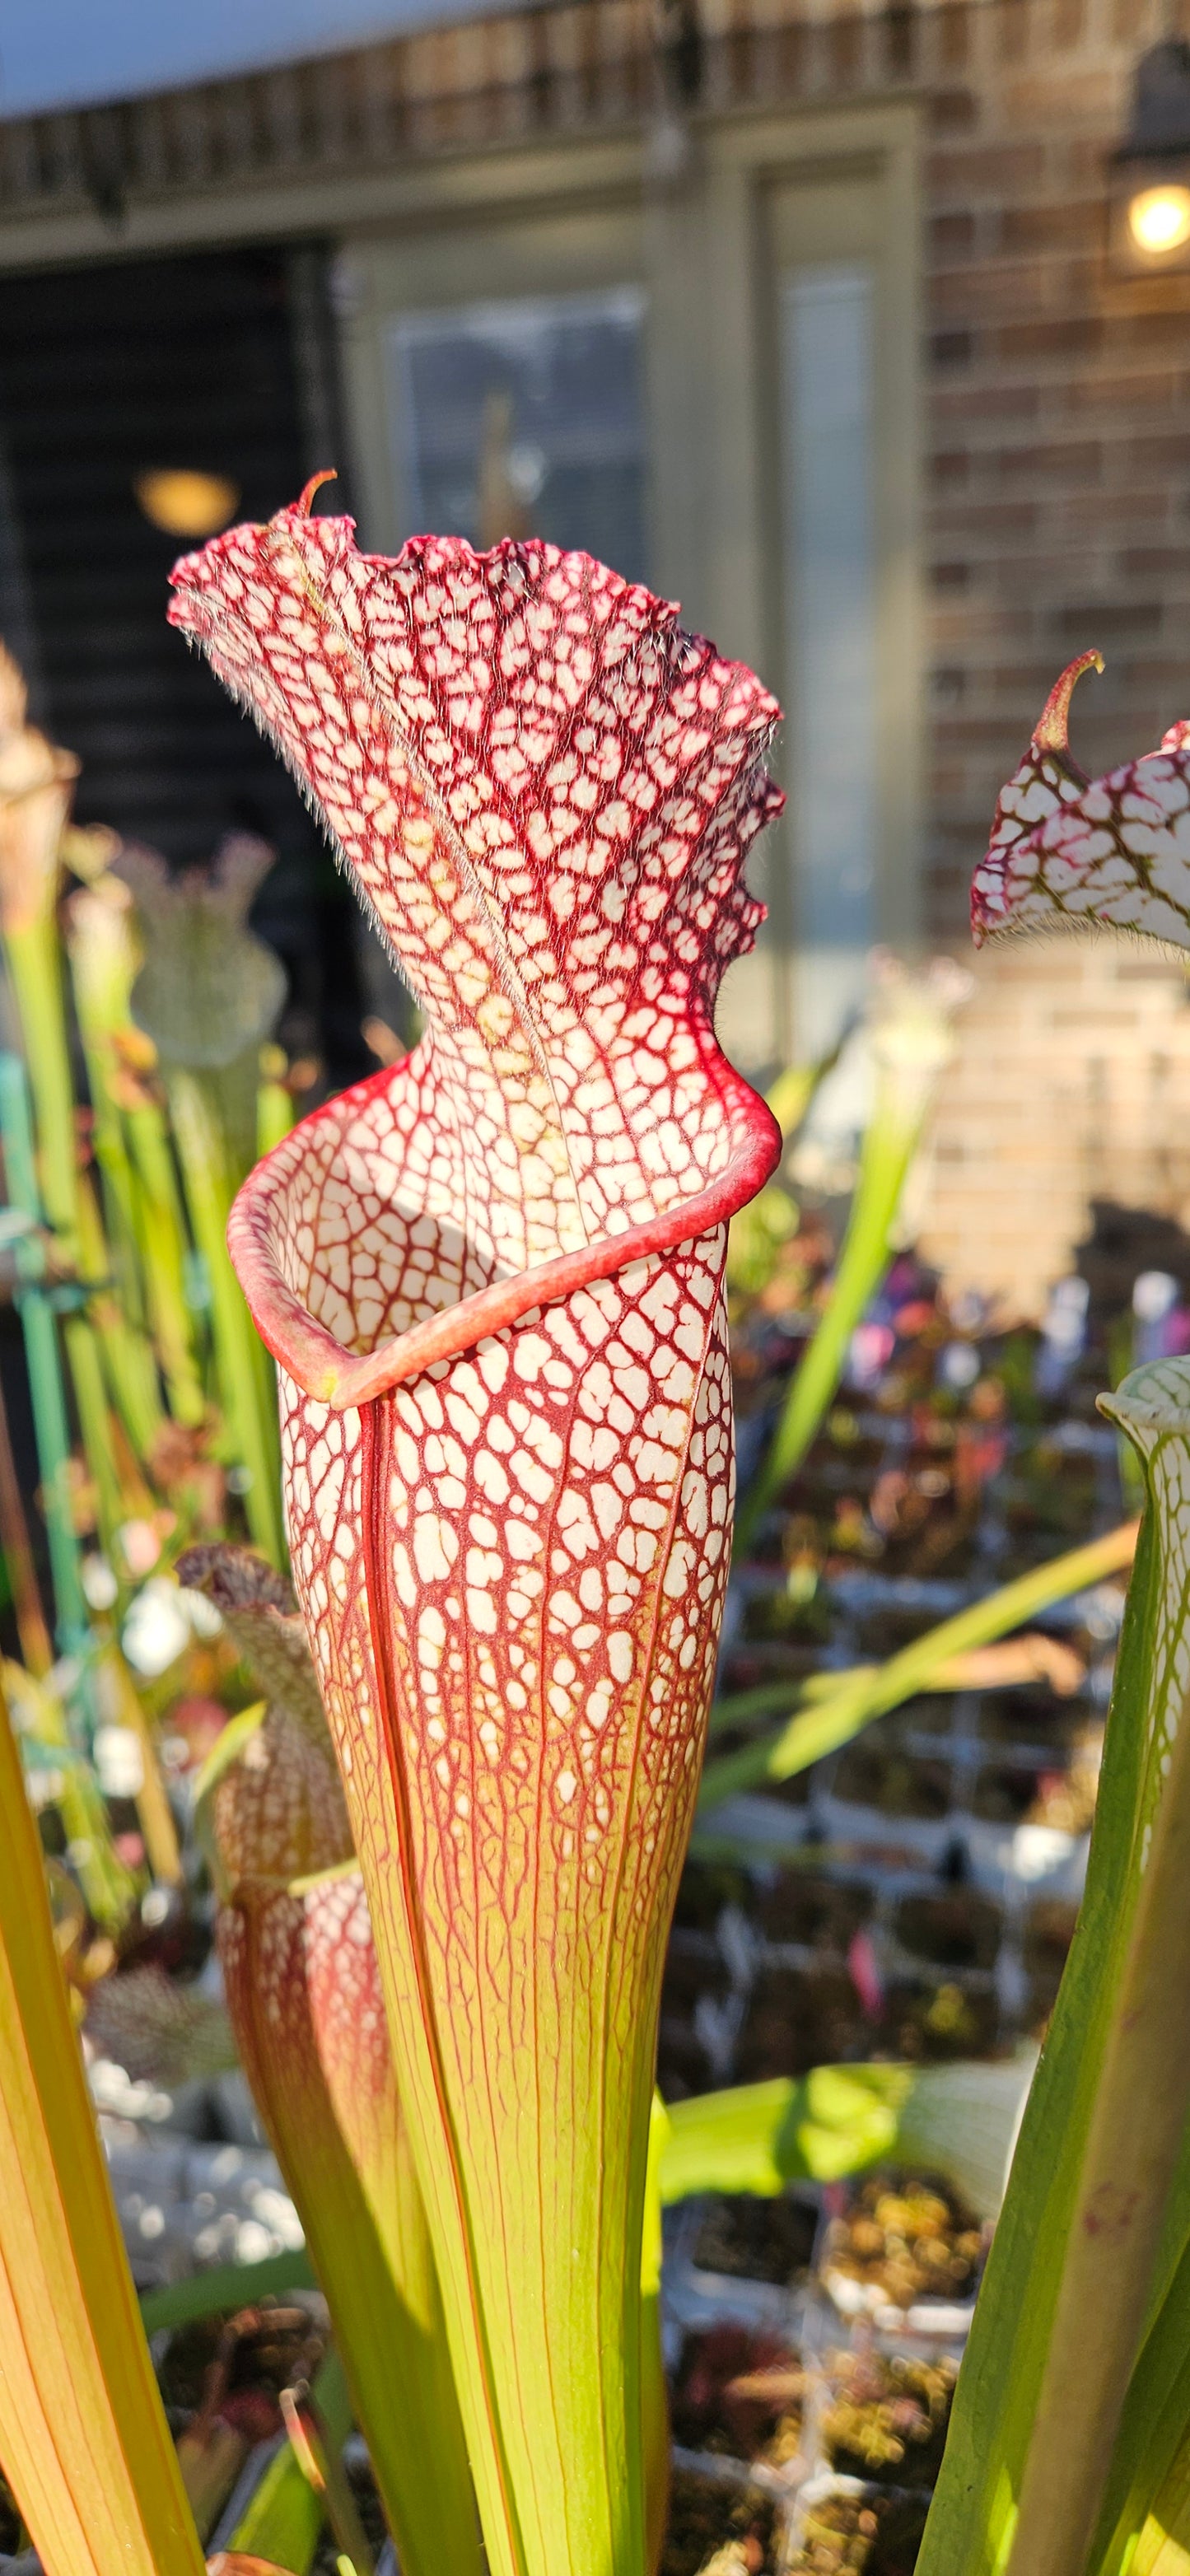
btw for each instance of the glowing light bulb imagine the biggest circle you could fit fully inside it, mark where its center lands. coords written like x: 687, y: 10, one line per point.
x: 1159, y: 219
x: 185, y: 503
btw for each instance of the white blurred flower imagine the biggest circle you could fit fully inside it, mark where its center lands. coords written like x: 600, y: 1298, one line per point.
x: 119, y: 1761
x: 253, y: 2242
x: 99, y: 1582
x: 157, y: 1629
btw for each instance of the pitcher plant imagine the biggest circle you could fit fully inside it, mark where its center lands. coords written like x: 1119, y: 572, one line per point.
x: 491, y: 1276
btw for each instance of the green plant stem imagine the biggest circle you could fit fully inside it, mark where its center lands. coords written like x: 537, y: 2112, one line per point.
x: 42, y: 1358
x: 132, y: 1148
x: 317, y: 2453
x: 653, y: 2391
x: 233, y: 1092
x: 107, y: 1884
x: 152, y: 1801
x: 110, y: 1889
x: 739, y: 1711
x: 245, y: 1371
x: 119, y: 1194
x: 100, y: 979
x: 54, y: 1461
x: 285, y: 2516
x: 162, y: 1238
x: 995, y: 2417
x: 90, y: 1396
x: 1163, y: 2546
x: 869, y: 1691
x: 887, y: 1152
x: 127, y: 1356
x: 794, y: 1089
x: 753, y: 1240
x: 109, y: 1146
x: 83, y: 2435
x: 35, y: 965
x: 1153, y: 2428
x: 36, y: 1645
x: 1131, y: 2154
x: 274, y: 1115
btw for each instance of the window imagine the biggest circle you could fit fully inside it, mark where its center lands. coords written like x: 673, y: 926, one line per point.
x: 526, y: 417
x: 829, y: 580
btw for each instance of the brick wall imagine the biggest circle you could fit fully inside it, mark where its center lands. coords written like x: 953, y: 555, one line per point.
x: 1068, y: 1104
x: 1059, y: 416
x: 1058, y: 517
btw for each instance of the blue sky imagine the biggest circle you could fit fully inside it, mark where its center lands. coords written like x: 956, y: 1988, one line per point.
x: 65, y: 53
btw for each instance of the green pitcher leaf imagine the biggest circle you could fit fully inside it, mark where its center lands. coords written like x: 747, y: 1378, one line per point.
x: 304, y: 1996
x: 84, y: 2442
x: 972, y: 2521
x: 959, y: 2120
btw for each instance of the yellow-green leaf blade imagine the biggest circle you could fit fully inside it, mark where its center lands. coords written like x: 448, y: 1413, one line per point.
x: 83, y: 2437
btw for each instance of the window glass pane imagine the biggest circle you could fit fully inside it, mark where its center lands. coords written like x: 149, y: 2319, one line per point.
x: 830, y: 611
x: 526, y: 418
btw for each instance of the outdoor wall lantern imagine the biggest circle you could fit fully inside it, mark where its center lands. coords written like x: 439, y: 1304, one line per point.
x: 1150, y: 189
x: 185, y: 503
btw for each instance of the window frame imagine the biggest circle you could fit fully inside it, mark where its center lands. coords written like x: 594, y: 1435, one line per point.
x: 700, y: 227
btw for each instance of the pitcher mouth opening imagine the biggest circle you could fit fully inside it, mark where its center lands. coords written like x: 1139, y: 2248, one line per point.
x: 345, y: 1371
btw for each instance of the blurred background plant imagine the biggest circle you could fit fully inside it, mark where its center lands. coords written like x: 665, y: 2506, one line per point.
x: 145, y: 1085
